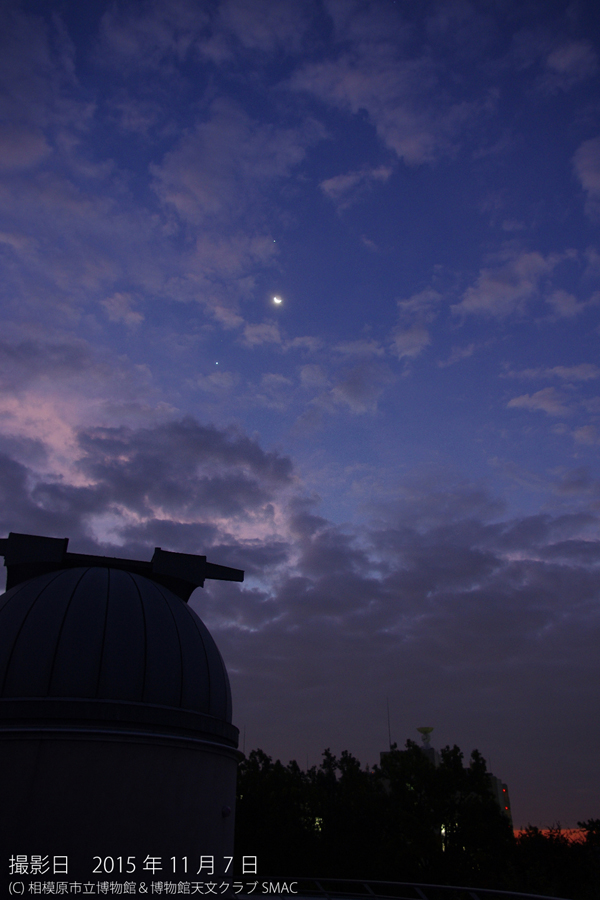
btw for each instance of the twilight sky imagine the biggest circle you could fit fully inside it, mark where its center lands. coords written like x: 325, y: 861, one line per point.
x: 403, y: 453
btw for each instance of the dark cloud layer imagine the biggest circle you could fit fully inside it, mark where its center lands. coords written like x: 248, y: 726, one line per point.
x: 169, y: 473
x: 458, y: 616
x: 486, y: 629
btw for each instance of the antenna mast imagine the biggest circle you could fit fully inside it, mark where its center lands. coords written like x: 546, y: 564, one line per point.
x: 387, y: 700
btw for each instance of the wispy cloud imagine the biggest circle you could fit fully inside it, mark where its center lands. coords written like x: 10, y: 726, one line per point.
x: 224, y: 166
x: 365, y: 347
x: 345, y: 190
x: 548, y: 400
x: 120, y: 308
x: 401, y: 92
x: 506, y: 289
x: 586, y: 162
x: 568, y: 64
x: 456, y: 355
x: 580, y: 372
x: 410, y: 337
x: 355, y: 388
x: 265, y: 26
x: 151, y: 36
x: 263, y: 333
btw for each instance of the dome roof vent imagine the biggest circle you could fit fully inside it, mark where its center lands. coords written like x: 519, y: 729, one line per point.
x: 96, y: 642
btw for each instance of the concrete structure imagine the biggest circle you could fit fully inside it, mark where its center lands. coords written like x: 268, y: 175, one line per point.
x: 430, y: 752
x: 115, y: 712
x: 500, y: 792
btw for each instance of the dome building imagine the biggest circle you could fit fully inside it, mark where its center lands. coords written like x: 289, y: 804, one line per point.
x: 116, y: 738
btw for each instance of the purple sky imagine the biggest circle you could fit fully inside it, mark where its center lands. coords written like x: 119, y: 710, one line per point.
x: 403, y: 453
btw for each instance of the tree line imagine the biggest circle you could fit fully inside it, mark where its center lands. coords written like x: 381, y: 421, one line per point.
x: 403, y: 820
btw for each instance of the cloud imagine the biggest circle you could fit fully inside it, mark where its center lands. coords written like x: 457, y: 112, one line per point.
x: 74, y: 240
x: 364, y: 347
x: 218, y: 261
x: 36, y: 71
x: 219, y: 382
x: 22, y: 147
x: 308, y: 343
x: 548, y: 400
x: 147, y: 35
x: 568, y: 64
x: 456, y: 354
x: 119, y: 308
x: 186, y: 487
x: 556, y: 403
x: 221, y: 183
x: 313, y: 376
x: 53, y: 384
x: 410, y: 342
x: 507, y: 289
x: 126, y: 481
x: 558, y: 64
x: 405, y: 96
x: 345, y: 190
x: 26, y: 360
x: 450, y: 606
x: 512, y: 225
x: 355, y: 387
x: 24, y: 510
x: 159, y: 461
x: 586, y: 163
x: 265, y: 26
x: 587, y: 434
x: 360, y: 387
x: 369, y: 244
x: 565, y: 305
x: 222, y: 169
x: 273, y: 391
x: 440, y: 575
x: 580, y: 372
x: 410, y: 337
x: 421, y: 305
x: 416, y: 135
x: 262, y: 333
x: 54, y: 192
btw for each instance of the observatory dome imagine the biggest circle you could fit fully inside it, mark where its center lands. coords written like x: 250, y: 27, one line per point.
x: 106, y: 644
x: 115, y: 708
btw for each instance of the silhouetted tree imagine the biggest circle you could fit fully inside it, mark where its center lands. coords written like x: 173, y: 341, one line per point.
x: 477, y: 837
x: 552, y: 864
x: 273, y: 817
x: 402, y: 820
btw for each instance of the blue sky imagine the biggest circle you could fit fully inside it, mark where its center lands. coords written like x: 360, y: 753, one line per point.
x: 403, y: 453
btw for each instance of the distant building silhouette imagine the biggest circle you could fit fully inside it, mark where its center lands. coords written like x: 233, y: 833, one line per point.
x: 431, y: 754
x: 500, y: 792
x: 115, y: 710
